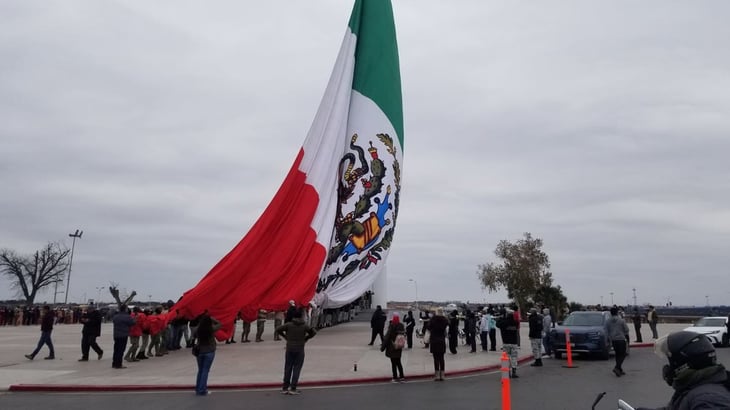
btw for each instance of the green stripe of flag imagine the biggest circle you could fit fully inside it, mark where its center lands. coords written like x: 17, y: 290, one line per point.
x: 377, y: 70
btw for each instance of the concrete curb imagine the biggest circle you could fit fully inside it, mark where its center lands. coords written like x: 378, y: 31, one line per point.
x: 68, y: 388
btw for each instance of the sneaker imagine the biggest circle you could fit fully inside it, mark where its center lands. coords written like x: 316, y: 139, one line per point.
x: 49, y: 358
x: 394, y: 381
x: 100, y: 355
x: 29, y: 356
x: 285, y: 391
x: 83, y: 359
x: 617, y: 372
x: 402, y: 380
x: 295, y: 392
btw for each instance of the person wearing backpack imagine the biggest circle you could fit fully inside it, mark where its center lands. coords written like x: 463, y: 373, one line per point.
x: 393, y: 344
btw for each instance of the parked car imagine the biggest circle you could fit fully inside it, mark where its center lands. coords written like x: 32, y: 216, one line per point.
x: 588, y: 334
x: 714, y: 327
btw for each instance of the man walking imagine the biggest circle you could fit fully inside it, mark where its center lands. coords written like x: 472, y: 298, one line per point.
x: 46, y: 329
x: 91, y: 330
x: 618, y: 333
x: 377, y: 324
x: 122, y: 323
x: 296, y: 333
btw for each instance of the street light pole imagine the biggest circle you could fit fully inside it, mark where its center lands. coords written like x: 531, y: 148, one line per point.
x: 634, y: 289
x: 99, y: 289
x: 415, y: 283
x: 612, y: 299
x: 74, y: 235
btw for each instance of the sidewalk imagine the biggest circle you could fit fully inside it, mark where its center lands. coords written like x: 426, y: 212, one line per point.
x: 330, y: 360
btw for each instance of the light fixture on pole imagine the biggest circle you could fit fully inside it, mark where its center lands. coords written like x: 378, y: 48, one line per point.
x: 74, y: 235
x: 415, y: 283
x: 634, y: 289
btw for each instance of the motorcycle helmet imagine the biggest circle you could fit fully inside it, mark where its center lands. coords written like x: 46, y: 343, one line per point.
x: 684, y: 350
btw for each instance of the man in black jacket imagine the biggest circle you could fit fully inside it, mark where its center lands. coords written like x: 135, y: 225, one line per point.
x: 296, y: 333
x: 91, y: 330
x: 453, y: 331
x: 46, y: 329
x: 508, y: 328
x: 377, y: 324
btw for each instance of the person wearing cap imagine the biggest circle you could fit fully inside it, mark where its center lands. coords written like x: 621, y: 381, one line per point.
x: 699, y: 382
x: 91, y: 320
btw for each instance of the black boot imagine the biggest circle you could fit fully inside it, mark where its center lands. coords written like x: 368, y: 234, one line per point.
x: 539, y: 362
x: 513, y: 374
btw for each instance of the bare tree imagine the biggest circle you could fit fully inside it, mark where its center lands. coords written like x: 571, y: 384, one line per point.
x: 31, y: 273
x: 114, y: 290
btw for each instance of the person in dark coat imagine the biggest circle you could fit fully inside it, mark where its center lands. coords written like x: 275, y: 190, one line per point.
x: 437, y: 327
x: 535, y: 324
x: 377, y: 324
x: 92, y: 329
x: 470, y: 330
x: 636, y: 319
x: 123, y: 321
x: 296, y: 333
x: 453, y: 331
x: 204, y: 333
x: 410, y: 323
x: 46, y: 329
x: 509, y: 328
x: 392, y: 351
x: 698, y: 380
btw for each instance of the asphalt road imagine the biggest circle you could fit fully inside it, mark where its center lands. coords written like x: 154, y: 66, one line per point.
x: 549, y: 387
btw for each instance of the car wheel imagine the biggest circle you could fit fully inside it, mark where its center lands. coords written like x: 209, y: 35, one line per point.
x: 726, y: 340
x: 558, y: 355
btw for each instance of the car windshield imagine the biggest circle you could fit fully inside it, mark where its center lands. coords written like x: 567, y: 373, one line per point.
x: 710, y: 322
x: 584, y: 320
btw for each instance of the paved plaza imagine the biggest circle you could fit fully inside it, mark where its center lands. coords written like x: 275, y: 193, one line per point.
x: 330, y: 359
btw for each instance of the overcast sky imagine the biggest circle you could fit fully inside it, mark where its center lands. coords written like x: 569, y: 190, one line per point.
x: 162, y: 130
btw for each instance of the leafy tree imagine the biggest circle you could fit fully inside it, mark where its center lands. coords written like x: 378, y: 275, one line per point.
x: 553, y: 298
x: 29, y: 274
x: 524, y: 269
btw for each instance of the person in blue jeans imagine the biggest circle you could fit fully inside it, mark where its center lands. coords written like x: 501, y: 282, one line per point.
x: 296, y: 333
x: 205, y: 334
x: 46, y: 329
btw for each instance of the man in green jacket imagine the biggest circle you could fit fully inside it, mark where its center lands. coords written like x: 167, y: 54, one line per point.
x: 296, y: 333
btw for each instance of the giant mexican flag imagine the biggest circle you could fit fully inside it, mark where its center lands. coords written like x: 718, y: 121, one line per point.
x: 327, y: 232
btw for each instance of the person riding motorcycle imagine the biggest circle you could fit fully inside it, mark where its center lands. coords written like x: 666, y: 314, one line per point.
x: 699, y: 382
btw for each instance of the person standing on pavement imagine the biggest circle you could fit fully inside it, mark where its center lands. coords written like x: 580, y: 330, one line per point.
x: 89, y: 332
x: 618, y: 333
x: 653, y: 318
x: 509, y: 329
x: 484, y: 331
x: 636, y: 319
x: 278, y: 321
x: 260, y: 323
x: 492, y: 325
x: 296, y: 333
x: 123, y: 322
x: 410, y: 322
x: 535, y: 334
x: 377, y: 324
x: 437, y: 327
x: 46, y: 329
x: 204, y: 332
x: 547, y: 324
x: 453, y: 331
x: 135, y: 332
x: 392, y: 351
x: 470, y: 329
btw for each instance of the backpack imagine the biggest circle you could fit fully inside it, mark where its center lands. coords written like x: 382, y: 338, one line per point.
x: 400, y: 341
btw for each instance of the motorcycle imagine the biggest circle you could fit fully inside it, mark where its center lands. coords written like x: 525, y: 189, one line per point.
x: 622, y: 405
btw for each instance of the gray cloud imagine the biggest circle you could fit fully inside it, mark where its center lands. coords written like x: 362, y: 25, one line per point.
x: 162, y: 130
